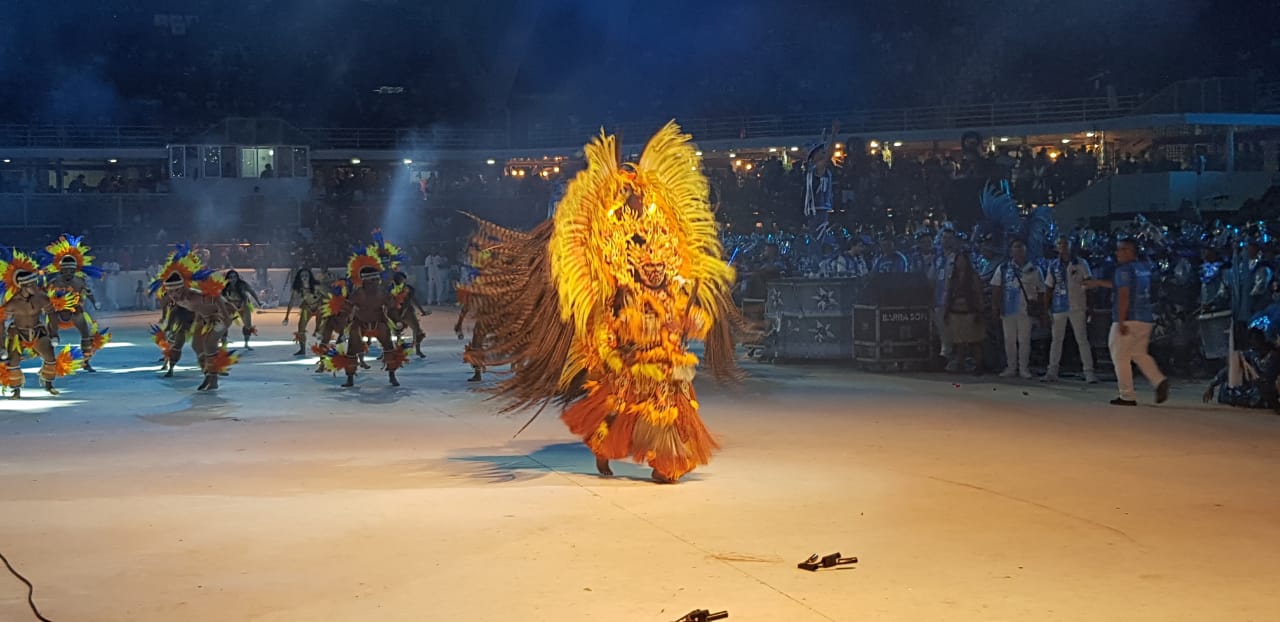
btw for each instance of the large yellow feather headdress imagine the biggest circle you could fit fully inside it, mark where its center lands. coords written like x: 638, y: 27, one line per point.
x: 541, y: 295
x: 614, y: 217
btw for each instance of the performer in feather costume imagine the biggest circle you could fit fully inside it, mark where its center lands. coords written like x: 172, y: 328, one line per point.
x: 310, y: 297
x: 68, y: 260
x: 188, y: 285
x: 365, y: 312
x: 596, y: 307
x: 170, y: 335
x: 27, y: 304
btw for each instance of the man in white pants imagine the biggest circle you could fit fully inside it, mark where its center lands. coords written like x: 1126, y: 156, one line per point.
x: 437, y: 278
x: 1131, y: 320
x: 1065, y: 282
x: 1016, y: 283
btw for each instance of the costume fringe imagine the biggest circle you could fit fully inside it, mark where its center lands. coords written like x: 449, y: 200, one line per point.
x: 12, y: 376
x: 99, y: 339
x: 221, y: 362
x: 64, y: 299
x: 68, y: 361
x: 160, y: 339
x: 395, y: 358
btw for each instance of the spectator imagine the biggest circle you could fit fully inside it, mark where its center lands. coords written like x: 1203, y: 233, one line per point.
x: 1065, y: 280
x: 1018, y: 290
x: 961, y: 313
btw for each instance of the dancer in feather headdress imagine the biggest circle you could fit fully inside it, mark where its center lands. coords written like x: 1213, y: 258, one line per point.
x: 185, y: 284
x: 366, y: 313
x: 25, y: 302
x: 596, y: 307
x: 406, y: 310
x: 71, y: 266
x: 170, y: 335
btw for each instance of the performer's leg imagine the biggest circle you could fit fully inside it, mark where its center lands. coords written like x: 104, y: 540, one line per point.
x: 86, y: 339
x: 49, y: 368
x: 418, y: 334
x: 13, y: 366
x: 473, y: 353
x: 304, y: 314
x: 246, y: 318
x: 391, y: 355
x: 355, y: 346
x: 176, y: 342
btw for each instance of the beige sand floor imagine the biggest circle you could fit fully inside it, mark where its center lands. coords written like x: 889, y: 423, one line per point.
x: 285, y: 498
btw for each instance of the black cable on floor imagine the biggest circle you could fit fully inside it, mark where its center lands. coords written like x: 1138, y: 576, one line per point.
x: 31, y: 590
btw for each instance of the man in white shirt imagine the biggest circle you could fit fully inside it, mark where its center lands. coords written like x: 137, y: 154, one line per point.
x: 1016, y: 283
x: 437, y: 278
x: 110, y: 273
x: 1067, y: 302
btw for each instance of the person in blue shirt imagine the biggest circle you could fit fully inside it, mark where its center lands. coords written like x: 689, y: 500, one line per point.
x: 1132, y: 319
x: 1065, y: 280
x: 1016, y: 287
x: 890, y: 259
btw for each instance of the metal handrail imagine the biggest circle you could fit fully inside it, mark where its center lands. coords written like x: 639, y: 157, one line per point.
x: 858, y: 122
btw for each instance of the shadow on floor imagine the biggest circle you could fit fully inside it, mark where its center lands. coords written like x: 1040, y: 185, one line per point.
x: 566, y: 458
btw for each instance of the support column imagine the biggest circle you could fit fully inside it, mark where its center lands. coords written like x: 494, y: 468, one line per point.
x: 1231, y: 149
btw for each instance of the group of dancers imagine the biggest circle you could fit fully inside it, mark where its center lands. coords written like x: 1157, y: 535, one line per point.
x: 40, y: 297
x: 593, y: 310
x: 373, y: 301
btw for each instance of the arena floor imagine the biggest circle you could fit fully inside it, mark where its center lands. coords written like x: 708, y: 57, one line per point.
x: 283, y: 497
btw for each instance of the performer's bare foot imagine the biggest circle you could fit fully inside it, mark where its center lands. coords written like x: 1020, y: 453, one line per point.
x: 48, y: 386
x: 89, y: 368
x: 474, y: 377
x: 168, y: 374
x: 301, y: 351
x: 420, y: 354
x: 17, y: 394
x: 660, y: 478
x: 392, y: 375
x: 602, y: 466
x: 351, y: 381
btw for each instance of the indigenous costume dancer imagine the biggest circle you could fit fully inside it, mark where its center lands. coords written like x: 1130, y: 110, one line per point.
x: 68, y: 289
x: 405, y: 313
x: 243, y: 298
x: 471, y: 352
x: 365, y: 313
x: 170, y: 335
x: 310, y: 297
x: 24, y: 301
x: 596, y: 307
x: 185, y: 285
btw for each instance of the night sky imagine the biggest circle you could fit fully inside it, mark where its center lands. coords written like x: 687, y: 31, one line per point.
x: 482, y: 62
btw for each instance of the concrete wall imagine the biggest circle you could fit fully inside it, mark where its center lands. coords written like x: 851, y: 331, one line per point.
x: 1151, y: 193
